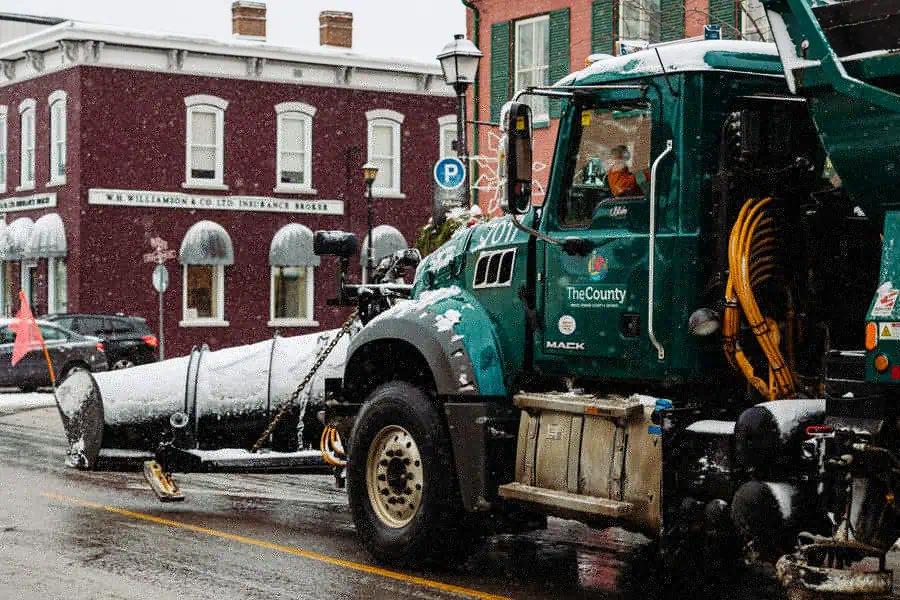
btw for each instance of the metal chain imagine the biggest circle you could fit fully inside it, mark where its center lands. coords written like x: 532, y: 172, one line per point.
x: 320, y: 359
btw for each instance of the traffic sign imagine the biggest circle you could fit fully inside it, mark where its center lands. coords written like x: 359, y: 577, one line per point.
x: 449, y: 173
x: 160, y: 278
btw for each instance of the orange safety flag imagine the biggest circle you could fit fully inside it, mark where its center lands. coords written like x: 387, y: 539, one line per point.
x: 28, y: 335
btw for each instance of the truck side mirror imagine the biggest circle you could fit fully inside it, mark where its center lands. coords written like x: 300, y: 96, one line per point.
x: 515, y: 158
x: 335, y: 243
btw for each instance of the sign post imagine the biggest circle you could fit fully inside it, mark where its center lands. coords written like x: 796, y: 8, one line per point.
x: 160, y: 255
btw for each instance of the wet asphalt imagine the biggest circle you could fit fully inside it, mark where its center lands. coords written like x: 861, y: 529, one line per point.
x: 71, y: 534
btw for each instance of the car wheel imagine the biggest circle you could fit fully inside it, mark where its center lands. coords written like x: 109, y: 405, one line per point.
x: 123, y: 363
x: 400, y: 479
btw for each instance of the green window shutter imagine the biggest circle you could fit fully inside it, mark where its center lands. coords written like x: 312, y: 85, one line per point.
x: 672, y: 21
x: 559, y: 53
x: 602, y: 31
x: 499, y: 68
x: 724, y: 12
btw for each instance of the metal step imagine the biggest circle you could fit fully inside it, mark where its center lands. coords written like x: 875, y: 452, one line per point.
x: 590, y: 505
x: 613, y: 407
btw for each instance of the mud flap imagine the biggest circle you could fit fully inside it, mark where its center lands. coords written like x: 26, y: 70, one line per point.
x: 161, y: 482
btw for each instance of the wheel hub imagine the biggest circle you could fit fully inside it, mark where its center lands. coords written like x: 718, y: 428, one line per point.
x: 394, y: 476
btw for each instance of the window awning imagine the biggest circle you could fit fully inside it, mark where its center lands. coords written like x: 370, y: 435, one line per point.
x: 385, y: 241
x: 292, y: 246
x: 14, y: 239
x: 206, y: 243
x: 47, y: 238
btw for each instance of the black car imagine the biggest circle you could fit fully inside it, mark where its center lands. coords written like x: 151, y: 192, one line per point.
x: 129, y: 341
x: 69, y: 352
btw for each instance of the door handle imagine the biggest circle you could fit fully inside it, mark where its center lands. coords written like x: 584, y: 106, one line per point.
x: 651, y: 259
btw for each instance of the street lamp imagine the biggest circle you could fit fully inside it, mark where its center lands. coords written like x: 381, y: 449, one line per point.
x: 459, y: 62
x: 370, y: 172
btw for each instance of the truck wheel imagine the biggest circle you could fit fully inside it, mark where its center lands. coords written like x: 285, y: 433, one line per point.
x: 400, y: 478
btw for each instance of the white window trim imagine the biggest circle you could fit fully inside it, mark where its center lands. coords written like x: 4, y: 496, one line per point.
x: 4, y: 152
x: 55, y: 178
x: 306, y: 112
x: 444, y: 123
x: 26, y: 105
x: 215, y: 106
x: 395, y: 120
x: 748, y: 30
x: 541, y: 119
x: 219, y: 319
x: 310, y: 296
x: 25, y: 269
x: 52, y: 263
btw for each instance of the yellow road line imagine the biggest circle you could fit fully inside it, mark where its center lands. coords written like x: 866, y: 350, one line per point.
x: 324, y: 558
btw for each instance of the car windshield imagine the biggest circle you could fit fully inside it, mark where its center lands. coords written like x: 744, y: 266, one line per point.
x: 609, y: 162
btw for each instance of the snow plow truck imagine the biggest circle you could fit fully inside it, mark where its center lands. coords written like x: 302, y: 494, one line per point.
x: 697, y: 335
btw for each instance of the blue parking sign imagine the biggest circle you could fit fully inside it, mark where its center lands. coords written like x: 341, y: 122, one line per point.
x: 449, y: 172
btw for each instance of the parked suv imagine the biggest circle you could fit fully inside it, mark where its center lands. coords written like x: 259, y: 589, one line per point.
x: 68, y: 350
x: 129, y: 341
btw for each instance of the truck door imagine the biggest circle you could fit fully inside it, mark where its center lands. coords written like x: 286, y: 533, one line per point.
x: 594, y: 306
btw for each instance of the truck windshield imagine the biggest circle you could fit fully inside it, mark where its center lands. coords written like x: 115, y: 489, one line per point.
x: 608, y: 163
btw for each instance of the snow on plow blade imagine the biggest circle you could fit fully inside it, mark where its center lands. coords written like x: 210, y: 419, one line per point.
x: 203, y: 402
x: 835, y: 570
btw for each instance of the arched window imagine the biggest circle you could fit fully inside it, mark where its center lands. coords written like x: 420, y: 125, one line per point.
x: 384, y: 151
x: 57, y: 102
x: 47, y: 240
x: 13, y: 248
x: 204, y: 142
x: 293, y: 277
x: 294, y: 141
x: 205, y: 251
x: 26, y: 144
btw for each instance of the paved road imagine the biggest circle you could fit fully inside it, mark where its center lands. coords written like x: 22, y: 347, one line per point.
x: 72, y: 534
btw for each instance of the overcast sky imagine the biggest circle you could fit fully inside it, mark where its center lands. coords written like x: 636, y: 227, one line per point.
x: 415, y: 29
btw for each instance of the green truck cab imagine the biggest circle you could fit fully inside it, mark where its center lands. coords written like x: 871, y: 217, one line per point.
x: 676, y: 340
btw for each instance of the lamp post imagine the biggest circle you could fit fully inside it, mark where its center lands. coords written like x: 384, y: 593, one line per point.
x: 370, y: 172
x: 459, y: 62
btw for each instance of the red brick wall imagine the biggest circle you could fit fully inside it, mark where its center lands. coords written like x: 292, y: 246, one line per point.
x: 127, y: 130
x: 695, y: 17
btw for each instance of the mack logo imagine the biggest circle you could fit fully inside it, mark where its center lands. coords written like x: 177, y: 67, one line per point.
x: 618, y: 211
x: 565, y: 345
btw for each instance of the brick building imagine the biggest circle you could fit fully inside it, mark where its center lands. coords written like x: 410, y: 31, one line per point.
x: 232, y: 151
x: 539, y: 42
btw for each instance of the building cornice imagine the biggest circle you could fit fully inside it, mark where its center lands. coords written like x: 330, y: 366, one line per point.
x: 73, y: 43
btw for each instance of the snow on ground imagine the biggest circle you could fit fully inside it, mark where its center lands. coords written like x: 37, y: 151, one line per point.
x: 14, y: 401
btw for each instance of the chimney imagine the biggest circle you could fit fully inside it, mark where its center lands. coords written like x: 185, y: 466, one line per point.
x: 336, y: 29
x: 248, y: 20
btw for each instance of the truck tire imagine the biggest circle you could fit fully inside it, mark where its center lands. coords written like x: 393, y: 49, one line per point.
x: 400, y: 478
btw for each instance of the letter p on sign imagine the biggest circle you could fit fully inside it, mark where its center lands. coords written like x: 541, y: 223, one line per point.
x: 449, y: 173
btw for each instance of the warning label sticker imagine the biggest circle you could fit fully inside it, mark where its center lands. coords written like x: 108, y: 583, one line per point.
x: 889, y: 331
x: 884, y: 305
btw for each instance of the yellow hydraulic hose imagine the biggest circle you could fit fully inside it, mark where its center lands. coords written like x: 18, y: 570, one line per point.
x: 751, y: 262
x: 331, y: 447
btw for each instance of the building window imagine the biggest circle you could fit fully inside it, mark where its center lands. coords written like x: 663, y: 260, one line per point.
x: 2, y: 149
x: 292, y: 295
x: 204, y: 145
x: 532, y: 66
x: 754, y: 23
x: 294, y: 141
x: 639, y: 20
x: 384, y: 151
x: 447, y: 135
x: 57, y: 286
x: 57, y: 103
x: 26, y: 114
x: 204, y: 293
x: 205, y: 251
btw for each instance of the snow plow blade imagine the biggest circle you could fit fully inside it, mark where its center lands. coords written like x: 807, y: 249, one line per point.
x: 161, y: 483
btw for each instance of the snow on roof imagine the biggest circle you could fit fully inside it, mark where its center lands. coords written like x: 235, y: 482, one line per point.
x: 292, y: 246
x: 113, y: 34
x: 385, y: 241
x: 677, y: 58
x: 47, y: 238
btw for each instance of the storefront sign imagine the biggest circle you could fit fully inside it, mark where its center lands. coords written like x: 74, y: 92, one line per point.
x: 147, y: 199
x: 32, y: 202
